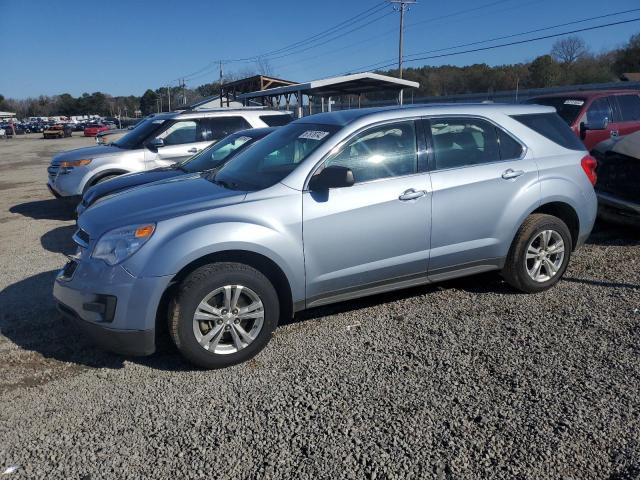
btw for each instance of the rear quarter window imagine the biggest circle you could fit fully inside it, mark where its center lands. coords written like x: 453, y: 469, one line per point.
x: 276, y: 120
x: 552, y: 127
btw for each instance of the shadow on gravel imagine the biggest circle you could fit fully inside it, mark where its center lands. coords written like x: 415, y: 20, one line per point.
x: 59, y: 240
x: 28, y: 317
x: 601, y: 283
x: 612, y: 234
x: 52, y: 209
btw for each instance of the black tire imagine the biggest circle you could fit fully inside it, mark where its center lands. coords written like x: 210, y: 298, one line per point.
x: 104, y: 179
x: 515, y: 269
x: 201, y: 283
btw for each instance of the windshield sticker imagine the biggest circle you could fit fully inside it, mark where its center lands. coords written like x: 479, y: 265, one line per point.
x: 243, y: 139
x: 574, y: 102
x: 314, y: 134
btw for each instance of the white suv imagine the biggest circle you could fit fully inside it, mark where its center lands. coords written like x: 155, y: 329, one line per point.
x: 159, y: 141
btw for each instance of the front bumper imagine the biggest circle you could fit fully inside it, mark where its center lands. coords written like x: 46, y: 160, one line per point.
x: 65, y: 184
x: 128, y: 329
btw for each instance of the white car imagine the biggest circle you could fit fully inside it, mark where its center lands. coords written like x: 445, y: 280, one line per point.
x: 159, y: 141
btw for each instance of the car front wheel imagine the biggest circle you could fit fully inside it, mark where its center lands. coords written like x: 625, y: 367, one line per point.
x: 539, y: 254
x: 224, y: 314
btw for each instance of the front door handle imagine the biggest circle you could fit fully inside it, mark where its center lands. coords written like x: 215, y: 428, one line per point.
x: 192, y: 150
x: 511, y: 173
x: 411, y: 194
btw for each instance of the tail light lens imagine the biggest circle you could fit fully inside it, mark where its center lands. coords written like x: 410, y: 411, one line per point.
x: 589, y: 165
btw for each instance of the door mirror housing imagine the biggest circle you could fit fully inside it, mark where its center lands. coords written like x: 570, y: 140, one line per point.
x: 599, y: 125
x: 155, y: 144
x: 333, y: 176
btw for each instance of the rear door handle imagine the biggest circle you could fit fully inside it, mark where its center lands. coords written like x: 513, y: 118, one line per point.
x: 511, y: 173
x: 192, y: 150
x: 411, y: 194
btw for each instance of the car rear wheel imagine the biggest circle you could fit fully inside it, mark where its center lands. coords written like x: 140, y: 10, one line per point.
x: 539, y: 254
x: 224, y: 314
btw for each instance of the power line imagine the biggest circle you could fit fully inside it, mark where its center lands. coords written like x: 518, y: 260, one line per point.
x: 357, y: 18
x: 519, y: 42
x: 479, y: 42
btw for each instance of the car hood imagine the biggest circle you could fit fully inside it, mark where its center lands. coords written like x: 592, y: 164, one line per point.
x: 86, y: 152
x: 157, y: 201
x: 124, y: 182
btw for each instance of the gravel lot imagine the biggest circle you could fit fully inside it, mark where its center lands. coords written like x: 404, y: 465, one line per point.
x: 465, y: 379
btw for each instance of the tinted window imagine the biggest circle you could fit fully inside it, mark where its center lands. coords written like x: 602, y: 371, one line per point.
x: 629, y: 107
x: 459, y: 142
x: 380, y: 152
x: 276, y: 120
x: 274, y: 157
x: 567, y: 108
x: 216, y: 154
x: 179, y: 133
x: 509, y: 148
x: 214, y: 129
x: 599, y: 109
x: 551, y: 126
x: 140, y: 133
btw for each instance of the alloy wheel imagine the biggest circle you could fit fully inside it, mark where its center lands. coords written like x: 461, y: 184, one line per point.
x: 228, y: 319
x: 544, y: 257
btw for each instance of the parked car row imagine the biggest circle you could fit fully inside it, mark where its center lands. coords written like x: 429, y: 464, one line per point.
x: 271, y: 221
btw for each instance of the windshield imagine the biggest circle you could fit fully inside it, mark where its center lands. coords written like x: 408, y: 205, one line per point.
x: 273, y: 158
x: 135, y: 137
x: 567, y: 108
x: 215, y: 155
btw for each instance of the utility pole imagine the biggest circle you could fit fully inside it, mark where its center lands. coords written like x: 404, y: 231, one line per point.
x: 184, y: 93
x: 169, y: 96
x: 402, y: 7
x: 221, y: 83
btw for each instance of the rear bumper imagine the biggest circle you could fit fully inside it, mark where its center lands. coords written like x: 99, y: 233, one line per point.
x: 124, y: 342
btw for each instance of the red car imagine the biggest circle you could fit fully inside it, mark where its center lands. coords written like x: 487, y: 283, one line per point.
x: 596, y: 115
x: 93, y: 129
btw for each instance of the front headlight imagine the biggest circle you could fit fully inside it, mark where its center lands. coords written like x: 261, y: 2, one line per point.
x: 76, y: 163
x: 117, y: 245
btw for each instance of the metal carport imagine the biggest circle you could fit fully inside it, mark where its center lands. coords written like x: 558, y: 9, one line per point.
x: 355, y: 84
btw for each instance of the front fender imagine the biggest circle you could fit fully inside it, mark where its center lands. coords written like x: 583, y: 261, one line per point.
x: 176, y: 244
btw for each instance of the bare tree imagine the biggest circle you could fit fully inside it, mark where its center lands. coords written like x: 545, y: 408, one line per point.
x: 568, y: 50
x: 264, y: 66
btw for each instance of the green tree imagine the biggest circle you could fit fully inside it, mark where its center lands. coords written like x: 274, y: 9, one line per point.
x: 627, y: 59
x: 544, y: 71
x: 148, y: 102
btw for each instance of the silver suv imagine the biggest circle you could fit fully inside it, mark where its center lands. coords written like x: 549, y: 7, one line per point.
x: 159, y: 141
x: 331, y: 207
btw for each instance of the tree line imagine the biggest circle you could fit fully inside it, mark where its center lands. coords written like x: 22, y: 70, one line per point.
x: 569, y: 62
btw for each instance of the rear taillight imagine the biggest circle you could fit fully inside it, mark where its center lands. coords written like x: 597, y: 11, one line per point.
x: 589, y: 165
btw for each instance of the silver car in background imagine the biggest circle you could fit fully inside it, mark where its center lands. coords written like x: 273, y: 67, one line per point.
x: 328, y: 208
x: 159, y: 141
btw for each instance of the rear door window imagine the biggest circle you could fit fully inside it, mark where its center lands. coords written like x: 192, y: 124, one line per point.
x: 461, y: 142
x: 510, y: 149
x: 629, y: 107
x: 216, y: 128
x: 552, y: 127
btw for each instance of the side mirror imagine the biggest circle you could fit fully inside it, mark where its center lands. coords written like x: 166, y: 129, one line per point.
x: 155, y: 144
x: 599, y: 125
x: 332, y: 176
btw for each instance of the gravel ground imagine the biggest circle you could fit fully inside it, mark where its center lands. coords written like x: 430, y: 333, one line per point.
x: 465, y: 379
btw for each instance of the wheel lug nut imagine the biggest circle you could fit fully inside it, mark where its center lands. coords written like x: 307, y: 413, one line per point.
x: 219, y: 322
x: 236, y: 321
x: 235, y: 311
x: 224, y: 312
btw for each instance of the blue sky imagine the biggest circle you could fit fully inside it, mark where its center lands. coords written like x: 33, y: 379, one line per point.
x: 122, y: 47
